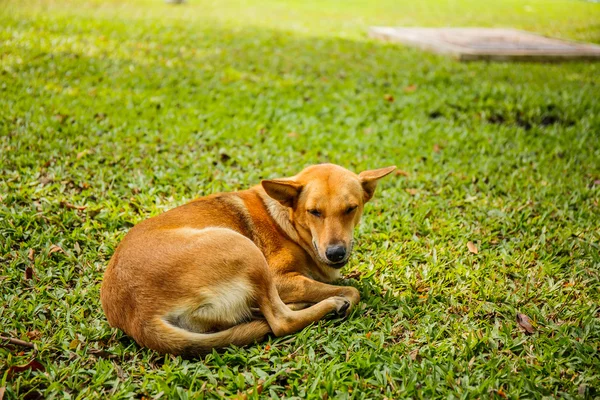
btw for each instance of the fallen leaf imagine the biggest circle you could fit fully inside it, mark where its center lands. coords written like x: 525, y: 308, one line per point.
x: 354, y: 274
x: 436, y: 148
x: 267, y: 347
x: 33, y: 335
x: 292, y: 134
x: 501, y: 393
x: 400, y: 172
x: 61, y: 117
x: 30, y: 254
x: 368, y: 335
x: 44, y: 180
x: 388, y: 97
x: 525, y: 323
x: 72, y: 206
x: 54, y: 248
x: 33, y: 365
x: 119, y: 371
x: 28, y: 273
x: 83, y: 153
x: 225, y: 157
x: 260, y: 386
x: 410, y: 88
x: 414, y: 354
x: 412, y: 192
x: 74, y: 343
x: 471, y: 362
x: 2, y: 389
x: 472, y: 248
x: 100, y: 353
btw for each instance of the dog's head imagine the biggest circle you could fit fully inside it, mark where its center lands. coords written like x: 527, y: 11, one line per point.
x: 326, y: 203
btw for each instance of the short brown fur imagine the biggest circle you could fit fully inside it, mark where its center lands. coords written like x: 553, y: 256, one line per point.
x: 231, y: 268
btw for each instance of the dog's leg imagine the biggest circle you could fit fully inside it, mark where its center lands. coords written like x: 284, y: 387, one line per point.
x: 298, y: 306
x: 298, y: 289
x: 284, y: 320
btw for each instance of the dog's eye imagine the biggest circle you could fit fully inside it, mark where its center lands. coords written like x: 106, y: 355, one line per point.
x: 350, y: 209
x: 316, y: 213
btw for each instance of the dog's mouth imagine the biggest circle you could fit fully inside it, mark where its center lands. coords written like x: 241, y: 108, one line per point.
x: 338, y: 265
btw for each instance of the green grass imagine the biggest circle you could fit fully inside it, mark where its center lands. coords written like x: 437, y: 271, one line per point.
x: 132, y: 108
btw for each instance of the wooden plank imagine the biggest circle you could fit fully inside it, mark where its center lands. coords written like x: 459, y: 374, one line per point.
x: 491, y: 44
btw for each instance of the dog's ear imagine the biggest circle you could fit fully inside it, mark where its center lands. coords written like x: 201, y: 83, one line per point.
x: 284, y: 191
x: 368, y: 180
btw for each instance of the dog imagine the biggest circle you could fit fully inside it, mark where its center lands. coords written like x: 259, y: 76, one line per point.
x: 192, y: 279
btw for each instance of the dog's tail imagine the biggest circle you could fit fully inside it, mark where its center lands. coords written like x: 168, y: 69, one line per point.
x: 167, y: 338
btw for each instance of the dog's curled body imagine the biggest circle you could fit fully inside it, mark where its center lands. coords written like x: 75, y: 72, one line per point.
x: 188, y: 280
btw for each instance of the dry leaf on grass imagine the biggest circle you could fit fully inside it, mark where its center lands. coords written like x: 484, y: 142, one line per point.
x: 388, y: 97
x: 100, y: 353
x: 33, y: 365
x: 83, y: 153
x: 34, y: 335
x: 412, y: 192
x: 44, y: 180
x: 119, y: 371
x: 55, y: 248
x: 414, y: 354
x: 472, y: 248
x: 525, y: 323
x: 2, y: 389
x: 410, y: 88
x: 354, y: 274
x: 72, y: 206
x: 30, y: 254
x: 28, y: 273
x: 399, y: 172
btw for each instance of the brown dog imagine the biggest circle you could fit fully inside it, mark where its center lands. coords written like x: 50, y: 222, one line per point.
x: 186, y: 281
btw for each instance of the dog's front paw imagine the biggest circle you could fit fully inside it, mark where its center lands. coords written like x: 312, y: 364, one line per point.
x: 342, y: 306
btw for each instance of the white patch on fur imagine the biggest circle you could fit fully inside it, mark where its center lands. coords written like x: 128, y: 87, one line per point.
x: 333, y: 274
x: 226, y: 304
x: 281, y: 215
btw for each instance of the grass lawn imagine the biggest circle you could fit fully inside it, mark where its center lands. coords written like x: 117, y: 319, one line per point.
x: 114, y: 111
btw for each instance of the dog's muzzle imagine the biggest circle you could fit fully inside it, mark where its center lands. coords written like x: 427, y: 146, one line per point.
x: 336, y: 256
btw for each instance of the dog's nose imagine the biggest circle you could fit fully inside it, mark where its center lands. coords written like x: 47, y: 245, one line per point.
x: 335, y: 253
